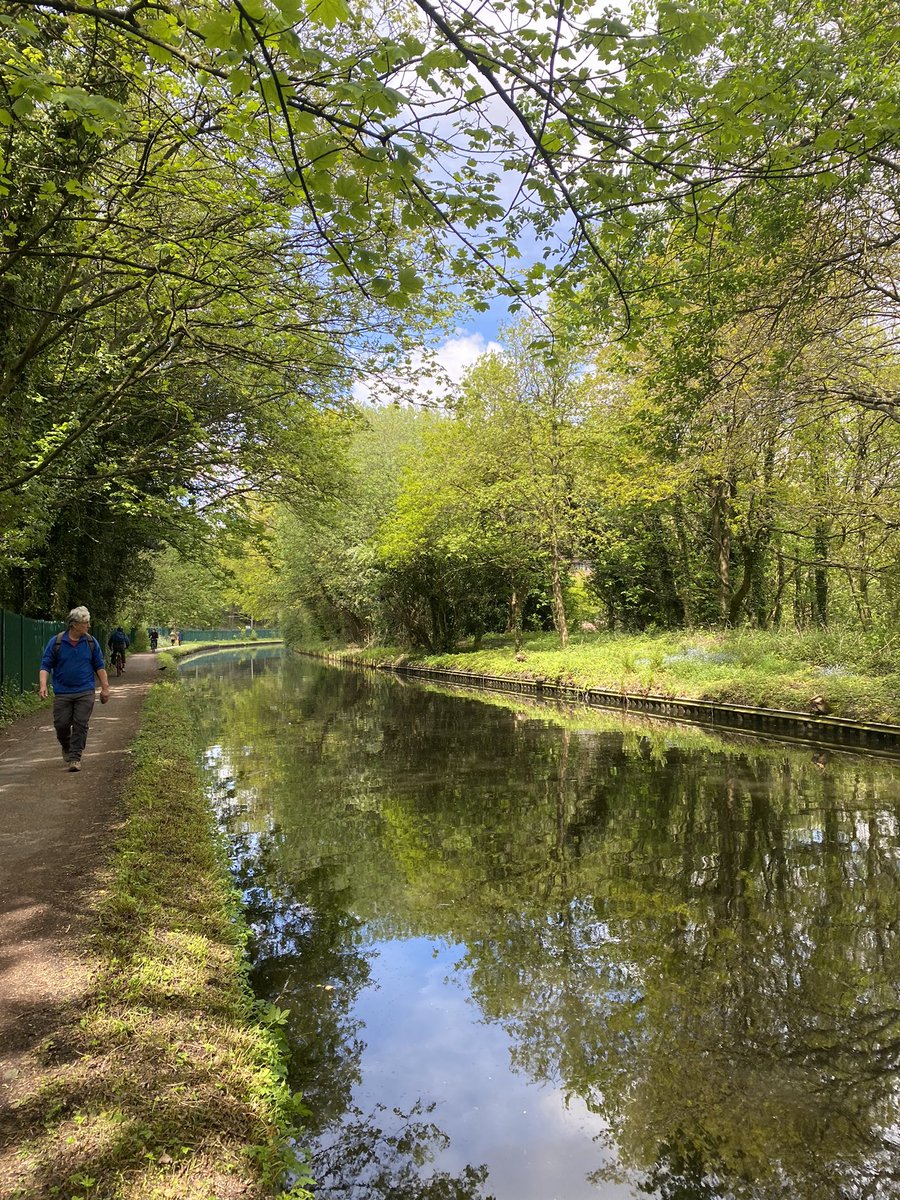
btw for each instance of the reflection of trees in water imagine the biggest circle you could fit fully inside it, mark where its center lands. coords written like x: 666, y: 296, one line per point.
x: 307, y: 960
x: 366, y: 1161
x: 703, y: 947
x: 731, y: 1012
x: 681, y: 1172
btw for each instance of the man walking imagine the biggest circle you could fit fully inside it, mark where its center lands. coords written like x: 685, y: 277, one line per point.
x: 73, y: 658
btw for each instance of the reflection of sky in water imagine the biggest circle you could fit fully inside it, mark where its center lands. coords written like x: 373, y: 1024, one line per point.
x: 703, y: 883
x: 424, y: 1039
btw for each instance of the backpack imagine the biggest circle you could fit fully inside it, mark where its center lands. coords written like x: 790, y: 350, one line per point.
x: 58, y: 642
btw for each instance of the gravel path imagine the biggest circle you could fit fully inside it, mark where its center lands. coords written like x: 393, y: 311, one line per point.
x: 56, y: 831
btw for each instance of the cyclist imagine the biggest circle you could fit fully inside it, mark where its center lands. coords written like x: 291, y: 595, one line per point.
x: 118, y: 643
x: 154, y: 639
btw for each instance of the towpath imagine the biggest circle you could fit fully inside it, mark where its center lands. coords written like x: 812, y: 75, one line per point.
x: 56, y: 831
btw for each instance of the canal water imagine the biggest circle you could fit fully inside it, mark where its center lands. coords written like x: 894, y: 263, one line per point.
x: 548, y: 954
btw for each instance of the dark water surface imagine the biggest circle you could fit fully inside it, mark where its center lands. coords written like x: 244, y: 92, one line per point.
x: 543, y: 954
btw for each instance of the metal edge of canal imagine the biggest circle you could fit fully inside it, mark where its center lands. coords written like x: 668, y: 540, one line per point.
x: 785, y: 724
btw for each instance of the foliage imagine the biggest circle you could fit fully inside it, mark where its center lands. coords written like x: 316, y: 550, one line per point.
x: 333, y: 577
x: 213, y: 216
x: 183, y: 593
x: 492, y: 511
x: 730, y: 504
x: 169, y: 345
x: 15, y: 704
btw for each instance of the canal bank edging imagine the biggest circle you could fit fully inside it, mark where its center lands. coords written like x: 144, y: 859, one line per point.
x: 832, y: 731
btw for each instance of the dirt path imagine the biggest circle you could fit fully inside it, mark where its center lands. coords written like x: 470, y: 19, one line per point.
x: 56, y: 830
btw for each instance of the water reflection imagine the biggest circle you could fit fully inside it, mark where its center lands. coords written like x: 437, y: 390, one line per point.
x: 535, y: 956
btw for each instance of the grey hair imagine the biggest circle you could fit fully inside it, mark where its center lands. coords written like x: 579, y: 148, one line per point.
x: 77, y: 615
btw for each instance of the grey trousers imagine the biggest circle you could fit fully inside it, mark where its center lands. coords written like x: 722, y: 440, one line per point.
x: 70, y: 720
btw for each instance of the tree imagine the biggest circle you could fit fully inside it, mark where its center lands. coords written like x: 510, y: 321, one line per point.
x: 205, y: 207
x: 169, y: 346
x: 182, y: 593
x: 332, y: 571
x: 529, y: 412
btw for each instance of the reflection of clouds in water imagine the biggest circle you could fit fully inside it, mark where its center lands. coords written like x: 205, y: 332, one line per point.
x: 425, y: 1039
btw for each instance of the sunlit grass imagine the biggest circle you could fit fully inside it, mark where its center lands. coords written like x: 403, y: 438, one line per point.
x: 852, y: 673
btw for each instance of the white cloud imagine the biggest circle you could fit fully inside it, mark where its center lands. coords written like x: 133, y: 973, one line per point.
x: 457, y: 354
x: 429, y: 375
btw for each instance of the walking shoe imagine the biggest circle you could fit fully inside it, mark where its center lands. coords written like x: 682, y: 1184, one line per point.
x: 75, y: 765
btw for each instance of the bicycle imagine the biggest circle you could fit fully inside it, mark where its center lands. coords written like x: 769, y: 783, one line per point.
x: 117, y: 660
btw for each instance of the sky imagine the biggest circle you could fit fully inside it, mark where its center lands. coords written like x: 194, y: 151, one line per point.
x: 453, y: 355
x: 476, y: 333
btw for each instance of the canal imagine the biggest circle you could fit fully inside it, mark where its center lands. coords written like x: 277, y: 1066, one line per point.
x: 538, y: 953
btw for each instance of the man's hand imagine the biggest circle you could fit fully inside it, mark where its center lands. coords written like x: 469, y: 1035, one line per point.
x: 42, y: 691
x: 44, y: 679
x: 104, y: 695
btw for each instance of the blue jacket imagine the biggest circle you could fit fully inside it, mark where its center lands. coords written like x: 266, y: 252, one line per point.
x: 75, y: 665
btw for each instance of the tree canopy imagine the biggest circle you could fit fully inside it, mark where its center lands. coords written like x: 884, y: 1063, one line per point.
x: 213, y: 214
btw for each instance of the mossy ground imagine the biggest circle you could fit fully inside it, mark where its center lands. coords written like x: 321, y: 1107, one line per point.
x: 168, y: 1083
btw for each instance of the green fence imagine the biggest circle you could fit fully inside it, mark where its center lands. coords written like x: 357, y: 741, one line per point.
x: 22, y: 642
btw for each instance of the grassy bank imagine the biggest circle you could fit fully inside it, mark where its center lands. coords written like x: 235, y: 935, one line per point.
x: 245, y: 644
x: 171, y: 1085
x: 852, y: 674
x: 168, y: 656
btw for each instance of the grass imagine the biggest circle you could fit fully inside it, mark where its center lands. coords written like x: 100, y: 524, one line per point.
x: 170, y: 1086
x: 855, y: 674
x: 243, y: 643
x: 14, y: 705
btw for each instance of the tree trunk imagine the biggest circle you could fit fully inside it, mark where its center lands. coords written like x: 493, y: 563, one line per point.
x: 515, y: 609
x: 750, y: 555
x: 559, y: 606
x: 682, y: 572
x: 863, y: 604
x: 820, y: 574
x: 721, y: 543
x: 780, y: 584
x: 799, y: 597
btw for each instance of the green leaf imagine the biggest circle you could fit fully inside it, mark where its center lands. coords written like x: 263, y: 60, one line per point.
x: 410, y: 281
x: 328, y: 12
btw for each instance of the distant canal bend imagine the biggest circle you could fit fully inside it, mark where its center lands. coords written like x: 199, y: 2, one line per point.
x: 538, y: 954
